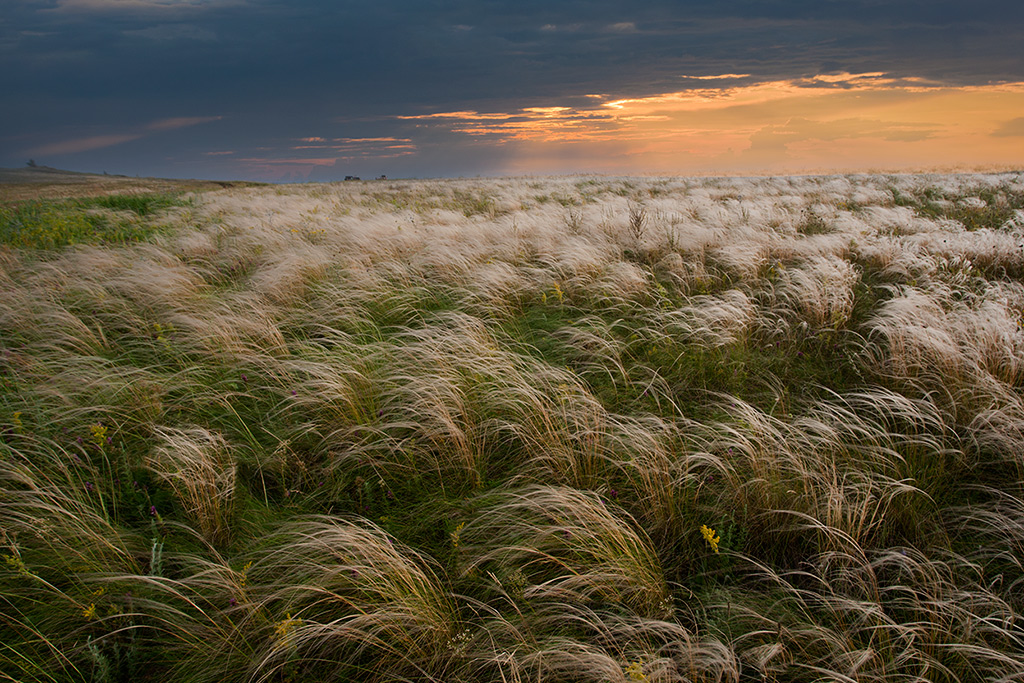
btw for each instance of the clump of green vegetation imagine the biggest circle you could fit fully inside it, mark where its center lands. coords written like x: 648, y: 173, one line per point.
x: 52, y: 224
x: 671, y: 431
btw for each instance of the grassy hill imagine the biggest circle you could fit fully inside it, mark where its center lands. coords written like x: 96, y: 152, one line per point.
x: 34, y: 183
x: 553, y: 429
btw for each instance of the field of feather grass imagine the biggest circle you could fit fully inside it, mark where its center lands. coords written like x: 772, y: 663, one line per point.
x: 558, y: 429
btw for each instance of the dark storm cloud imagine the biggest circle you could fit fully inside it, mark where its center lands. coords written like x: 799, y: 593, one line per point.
x: 278, y: 70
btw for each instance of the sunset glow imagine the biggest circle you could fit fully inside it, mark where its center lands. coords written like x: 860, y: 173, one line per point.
x: 844, y: 121
x: 309, y: 90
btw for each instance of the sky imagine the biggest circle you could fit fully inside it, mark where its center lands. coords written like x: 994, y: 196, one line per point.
x: 296, y: 90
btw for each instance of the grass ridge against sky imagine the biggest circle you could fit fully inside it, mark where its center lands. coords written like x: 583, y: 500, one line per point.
x: 550, y: 429
x: 317, y: 90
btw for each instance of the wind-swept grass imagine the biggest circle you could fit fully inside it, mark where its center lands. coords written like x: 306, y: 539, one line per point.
x: 507, y: 430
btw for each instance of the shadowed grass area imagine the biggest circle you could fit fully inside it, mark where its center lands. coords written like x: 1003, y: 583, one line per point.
x: 508, y: 430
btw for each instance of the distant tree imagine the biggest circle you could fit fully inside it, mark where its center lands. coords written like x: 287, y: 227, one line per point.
x: 32, y: 163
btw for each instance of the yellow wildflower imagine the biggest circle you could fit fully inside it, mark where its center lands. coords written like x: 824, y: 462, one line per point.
x: 455, y: 534
x: 709, y: 535
x: 244, y: 575
x: 285, y: 629
x: 635, y: 671
x: 90, y: 611
x: 99, y: 434
x: 15, y: 563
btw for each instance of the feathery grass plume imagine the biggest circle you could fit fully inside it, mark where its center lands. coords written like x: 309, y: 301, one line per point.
x: 997, y: 427
x: 496, y: 289
x: 714, y: 320
x: 595, y: 348
x: 55, y: 540
x: 741, y: 259
x: 235, y: 328
x: 52, y: 503
x: 820, y: 291
x: 656, y: 468
x: 547, y: 422
x: 992, y: 530
x: 570, y: 545
x: 991, y: 331
x: 896, y: 612
x: 205, y: 624
x: 31, y: 313
x: 150, y: 277
x: 362, y: 604
x: 331, y: 385
x: 316, y: 596
x: 285, y: 277
x: 918, y: 341
x: 442, y: 407
x: 827, y: 480
x: 764, y: 471
x: 199, y: 466
x: 572, y: 640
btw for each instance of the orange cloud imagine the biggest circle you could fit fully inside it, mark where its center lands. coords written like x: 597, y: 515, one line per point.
x: 83, y: 144
x: 835, y: 121
x: 181, y: 122
x: 715, y: 78
x: 465, y: 115
x: 363, y: 146
x: 92, y: 142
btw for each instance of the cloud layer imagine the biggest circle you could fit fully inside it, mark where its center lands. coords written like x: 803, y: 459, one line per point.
x: 465, y: 87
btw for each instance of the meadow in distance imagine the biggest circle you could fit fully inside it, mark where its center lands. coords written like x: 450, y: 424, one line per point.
x: 503, y: 430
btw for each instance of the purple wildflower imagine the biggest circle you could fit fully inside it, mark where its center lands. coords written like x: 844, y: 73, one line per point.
x: 152, y: 510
